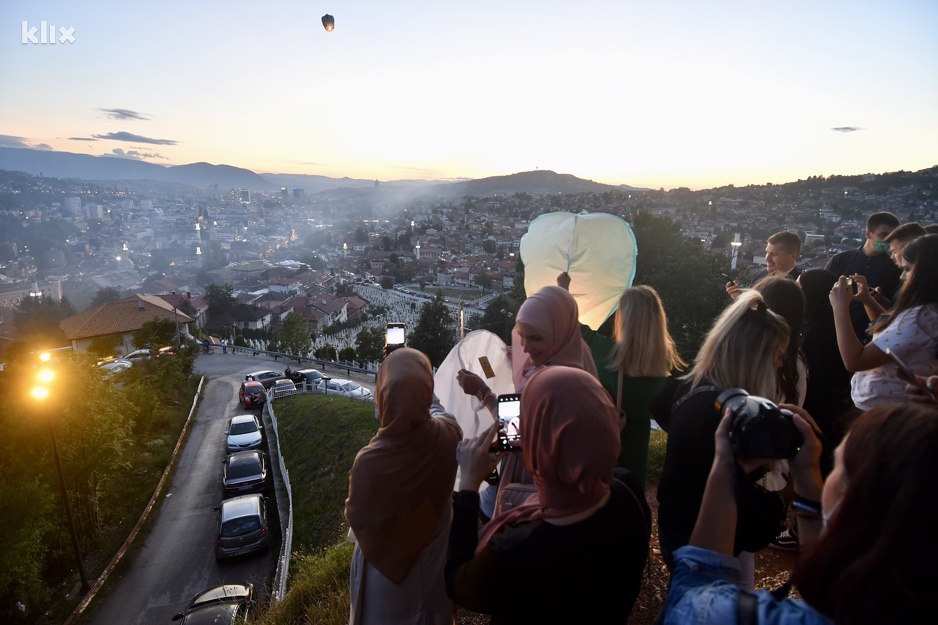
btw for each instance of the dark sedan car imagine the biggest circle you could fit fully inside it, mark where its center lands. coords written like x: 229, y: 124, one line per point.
x: 242, y: 526
x: 245, y: 473
x: 252, y: 395
x: 305, y: 377
x: 267, y: 378
x: 223, y: 605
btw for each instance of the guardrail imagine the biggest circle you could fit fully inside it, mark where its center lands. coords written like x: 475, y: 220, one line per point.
x: 300, y: 360
x: 282, y: 573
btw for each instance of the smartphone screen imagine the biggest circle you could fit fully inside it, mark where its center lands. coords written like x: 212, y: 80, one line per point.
x: 509, y: 416
x: 395, y: 334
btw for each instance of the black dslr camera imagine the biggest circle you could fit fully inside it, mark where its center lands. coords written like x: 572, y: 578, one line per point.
x: 760, y: 428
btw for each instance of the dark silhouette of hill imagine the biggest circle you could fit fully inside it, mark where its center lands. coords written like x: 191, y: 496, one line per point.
x: 86, y: 167
x: 53, y: 164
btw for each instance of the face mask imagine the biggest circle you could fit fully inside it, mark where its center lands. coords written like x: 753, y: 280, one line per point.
x: 881, y: 246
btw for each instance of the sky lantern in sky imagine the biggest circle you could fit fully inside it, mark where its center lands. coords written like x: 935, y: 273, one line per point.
x: 328, y: 22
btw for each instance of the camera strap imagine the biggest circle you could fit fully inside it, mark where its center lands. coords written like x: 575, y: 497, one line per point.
x: 700, y: 389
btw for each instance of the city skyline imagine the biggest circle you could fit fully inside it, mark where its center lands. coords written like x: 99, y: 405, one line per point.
x: 615, y: 92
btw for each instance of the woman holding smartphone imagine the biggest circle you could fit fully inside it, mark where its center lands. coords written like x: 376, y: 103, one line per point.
x: 909, y: 329
x: 575, y: 551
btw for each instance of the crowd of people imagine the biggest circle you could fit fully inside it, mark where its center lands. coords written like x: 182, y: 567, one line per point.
x: 795, y: 411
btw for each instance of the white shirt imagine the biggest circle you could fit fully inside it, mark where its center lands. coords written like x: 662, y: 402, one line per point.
x: 913, y: 336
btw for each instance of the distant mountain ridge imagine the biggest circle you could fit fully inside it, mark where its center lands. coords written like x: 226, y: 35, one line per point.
x: 104, y: 168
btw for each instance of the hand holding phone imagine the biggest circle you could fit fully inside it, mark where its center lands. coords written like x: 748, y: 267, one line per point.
x: 509, y: 416
x: 394, y: 334
x: 904, y: 373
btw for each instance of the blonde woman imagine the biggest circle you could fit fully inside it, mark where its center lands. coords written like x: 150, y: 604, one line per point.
x: 634, y: 366
x: 743, y: 349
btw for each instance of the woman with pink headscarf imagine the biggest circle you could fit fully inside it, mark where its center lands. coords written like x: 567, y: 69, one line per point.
x: 575, y: 551
x: 546, y: 332
x: 398, y: 505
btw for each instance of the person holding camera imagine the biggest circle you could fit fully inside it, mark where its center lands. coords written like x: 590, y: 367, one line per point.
x: 909, y: 330
x: 575, y: 551
x: 398, y: 506
x: 744, y: 349
x: 870, y: 554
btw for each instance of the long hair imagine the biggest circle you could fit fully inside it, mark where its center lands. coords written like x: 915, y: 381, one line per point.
x: 878, y: 560
x: 921, y: 286
x: 740, y: 349
x: 783, y: 296
x: 816, y: 284
x: 644, y: 346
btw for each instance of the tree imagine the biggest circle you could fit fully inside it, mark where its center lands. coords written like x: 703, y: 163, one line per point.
x: 687, y: 277
x: 387, y: 282
x: 105, y: 295
x: 369, y: 345
x: 488, y: 246
x: 105, y: 346
x: 499, y: 318
x: 220, y: 299
x: 434, y: 334
x: 360, y: 235
x: 483, y: 280
x: 326, y: 352
x: 155, y: 334
x: 347, y: 354
x: 39, y: 317
x: 295, y: 335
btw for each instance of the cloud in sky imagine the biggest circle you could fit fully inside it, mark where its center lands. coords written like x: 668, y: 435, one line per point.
x: 9, y: 141
x: 129, y: 136
x: 846, y: 129
x: 133, y: 155
x: 82, y: 139
x: 44, y: 146
x: 124, y: 114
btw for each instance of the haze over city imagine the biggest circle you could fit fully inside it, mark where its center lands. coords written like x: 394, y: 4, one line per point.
x: 646, y: 94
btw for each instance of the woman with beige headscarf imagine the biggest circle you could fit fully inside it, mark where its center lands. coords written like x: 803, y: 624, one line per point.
x: 398, y: 507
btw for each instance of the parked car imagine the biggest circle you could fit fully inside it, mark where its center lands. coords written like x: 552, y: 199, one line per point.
x: 243, y: 432
x: 345, y: 388
x: 267, y: 378
x: 222, y: 605
x: 283, y: 387
x: 137, y: 356
x: 113, y: 367
x: 242, y: 526
x: 252, y: 395
x: 166, y: 352
x: 245, y: 473
x: 304, y: 376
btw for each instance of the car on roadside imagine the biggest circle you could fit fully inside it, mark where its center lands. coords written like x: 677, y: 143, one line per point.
x: 305, y: 376
x: 252, y: 395
x: 137, y: 356
x: 283, y: 387
x: 113, y: 367
x: 222, y: 605
x: 241, y: 526
x: 242, y: 433
x: 245, y: 473
x: 267, y: 378
x: 345, y: 388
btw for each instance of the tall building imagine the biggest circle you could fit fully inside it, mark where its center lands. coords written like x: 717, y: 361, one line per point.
x: 74, y: 205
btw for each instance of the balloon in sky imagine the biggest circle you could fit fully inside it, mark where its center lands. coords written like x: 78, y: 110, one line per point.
x: 598, y: 251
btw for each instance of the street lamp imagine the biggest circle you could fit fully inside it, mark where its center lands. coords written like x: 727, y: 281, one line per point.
x: 41, y: 393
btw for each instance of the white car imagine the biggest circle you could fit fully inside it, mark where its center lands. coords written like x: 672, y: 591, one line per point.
x: 115, y: 366
x: 283, y: 387
x: 243, y: 433
x: 345, y: 388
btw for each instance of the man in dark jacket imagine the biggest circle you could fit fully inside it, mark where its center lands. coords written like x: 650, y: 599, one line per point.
x: 872, y: 261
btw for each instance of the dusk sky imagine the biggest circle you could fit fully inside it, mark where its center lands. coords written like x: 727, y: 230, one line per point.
x: 651, y: 94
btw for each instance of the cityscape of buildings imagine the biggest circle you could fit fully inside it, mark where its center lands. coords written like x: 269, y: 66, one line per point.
x: 288, y: 251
